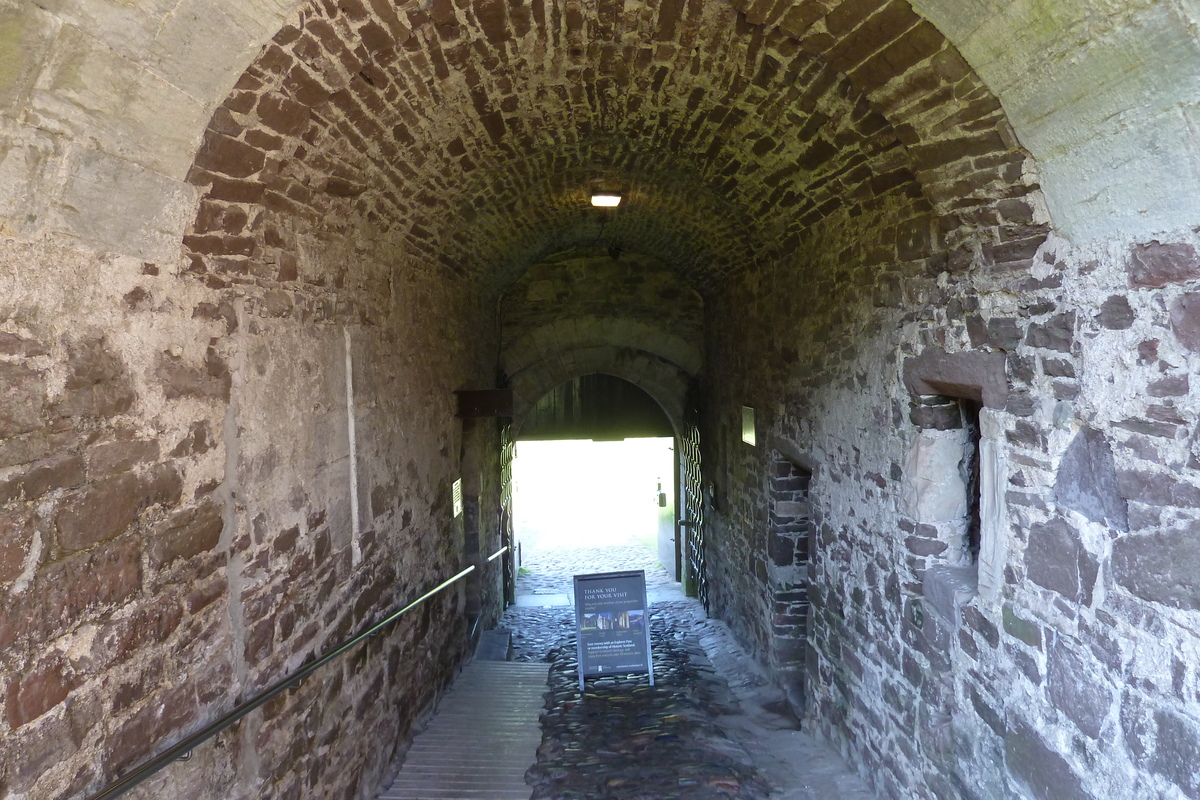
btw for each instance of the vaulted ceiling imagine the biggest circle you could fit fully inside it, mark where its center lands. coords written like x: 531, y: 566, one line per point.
x: 469, y: 134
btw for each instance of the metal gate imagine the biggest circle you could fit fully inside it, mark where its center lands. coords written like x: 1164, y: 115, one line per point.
x: 692, y: 521
x: 507, y: 452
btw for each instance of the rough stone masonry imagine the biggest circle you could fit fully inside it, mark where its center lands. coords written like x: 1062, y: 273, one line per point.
x: 946, y: 252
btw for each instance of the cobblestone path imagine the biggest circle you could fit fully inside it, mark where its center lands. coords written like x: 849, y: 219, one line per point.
x: 711, y: 728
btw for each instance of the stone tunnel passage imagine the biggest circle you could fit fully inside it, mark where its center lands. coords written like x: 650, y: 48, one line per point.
x: 250, y: 252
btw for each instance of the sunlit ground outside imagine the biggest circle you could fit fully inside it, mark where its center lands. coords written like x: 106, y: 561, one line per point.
x: 584, y: 494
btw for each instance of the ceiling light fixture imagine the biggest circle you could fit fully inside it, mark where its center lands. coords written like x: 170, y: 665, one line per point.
x: 606, y: 199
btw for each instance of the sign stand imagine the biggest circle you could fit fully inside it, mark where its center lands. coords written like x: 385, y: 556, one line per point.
x: 612, y: 625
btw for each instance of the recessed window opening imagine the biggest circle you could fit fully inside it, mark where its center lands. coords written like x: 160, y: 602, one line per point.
x: 969, y: 468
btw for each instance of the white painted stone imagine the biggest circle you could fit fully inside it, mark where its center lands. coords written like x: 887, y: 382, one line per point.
x: 994, y: 530
x: 115, y: 206
x: 90, y: 93
x: 1099, y: 92
x: 933, y: 489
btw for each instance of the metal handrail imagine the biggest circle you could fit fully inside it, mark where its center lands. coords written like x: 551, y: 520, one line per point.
x: 182, y: 751
x: 497, y: 554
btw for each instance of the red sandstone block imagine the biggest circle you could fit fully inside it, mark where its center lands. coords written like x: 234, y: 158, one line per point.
x: 108, y: 507
x: 59, y: 473
x: 282, y: 114
x: 186, y: 533
x: 224, y: 155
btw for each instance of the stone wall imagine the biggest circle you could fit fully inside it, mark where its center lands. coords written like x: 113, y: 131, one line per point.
x: 206, y: 480
x: 1075, y: 678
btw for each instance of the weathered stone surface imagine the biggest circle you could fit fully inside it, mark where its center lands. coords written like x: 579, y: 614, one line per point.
x: 1160, y: 567
x: 186, y: 533
x: 1077, y: 687
x: 1020, y: 628
x: 1116, y: 314
x: 31, y: 695
x: 1056, y: 333
x: 948, y: 589
x: 974, y: 376
x: 1057, y: 560
x: 97, y: 384
x: 1185, y: 320
x: 939, y: 418
x: 16, y: 534
x: 108, y: 507
x: 1178, y: 752
x: 1045, y: 773
x: 22, y: 395
x: 1086, y: 481
x: 108, y: 457
x: 181, y: 379
x: 1154, y: 264
x: 1153, y: 488
x: 64, y: 472
x: 933, y: 489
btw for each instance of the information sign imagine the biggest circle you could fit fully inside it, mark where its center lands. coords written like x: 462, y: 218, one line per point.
x: 612, y: 624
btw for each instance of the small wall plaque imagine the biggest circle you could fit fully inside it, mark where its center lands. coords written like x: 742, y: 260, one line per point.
x: 458, y: 505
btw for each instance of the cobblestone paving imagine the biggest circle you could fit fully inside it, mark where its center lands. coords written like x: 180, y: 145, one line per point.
x: 711, y: 727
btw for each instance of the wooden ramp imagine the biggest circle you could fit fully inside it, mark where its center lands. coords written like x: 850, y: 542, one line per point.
x: 482, y: 739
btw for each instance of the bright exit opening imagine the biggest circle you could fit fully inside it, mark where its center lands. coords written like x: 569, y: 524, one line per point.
x: 585, y: 494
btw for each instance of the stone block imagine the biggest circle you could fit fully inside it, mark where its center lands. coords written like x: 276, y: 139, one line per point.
x: 25, y: 31
x: 180, y: 378
x: 38, y: 750
x: 155, y: 619
x: 1185, y: 320
x: 33, y: 693
x: 1044, y: 773
x: 1022, y: 629
x: 1169, y: 386
x: 1116, y: 314
x: 1154, y: 264
x: 1154, y: 488
x: 108, y: 507
x: 1077, y: 686
x: 91, y: 92
x: 106, y: 458
x: 22, y: 397
x: 149, y: 221
x: 1161, y: 567
x: 1178, y: 752
x: 971, y: 375
x: 781, y: 549
x: 1056, y: 333
x: 944, y: 417
x: 1057, y: 560
x: 1086, y: 481
x: 186, y: 533
x: 189, y: 56
x: 65, y: 472
x: 948, y: 589
x: 29, y: 160
x: 16, y: 535
x: 933, y: 490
